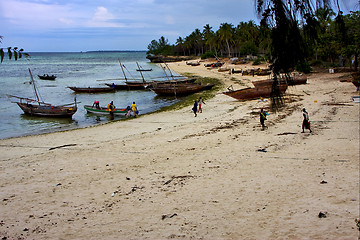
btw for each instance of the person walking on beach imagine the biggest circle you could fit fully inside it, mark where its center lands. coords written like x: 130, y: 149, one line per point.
x: 262, y: 119
x: 306, y: 122
x: 195, y: 108
x: 134, y: 109
x: 200, y: 104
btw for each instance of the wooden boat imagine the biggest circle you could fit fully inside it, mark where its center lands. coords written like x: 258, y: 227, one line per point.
x: 47, y: 77
x: 179, y: 89
x: 291, y: 82
x: 91, y: 89
x: 356, y: 79
x: 254, y: 93
x: 104, y: 110
x: 35, y: 107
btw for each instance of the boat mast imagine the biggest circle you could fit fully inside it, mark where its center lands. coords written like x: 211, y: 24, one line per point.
x: 35, y: 90
x: 141, y: 72
x: 122, y: 69
x: 169, y: 71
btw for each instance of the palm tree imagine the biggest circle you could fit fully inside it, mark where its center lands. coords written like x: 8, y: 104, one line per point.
x: 17, y: 53
x: 226, y: 33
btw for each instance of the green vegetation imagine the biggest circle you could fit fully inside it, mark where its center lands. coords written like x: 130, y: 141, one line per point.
x: 281, y: 40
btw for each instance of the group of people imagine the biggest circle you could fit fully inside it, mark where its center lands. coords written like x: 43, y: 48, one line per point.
x: 198, y: 106
x: 305, y: 123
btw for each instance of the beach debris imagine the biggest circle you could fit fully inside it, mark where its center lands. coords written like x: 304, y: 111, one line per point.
x: 181, y: 177
x: 168, y: 216
x: 286, y: 133
x: 322, y: 214
x: 323, y: 182
x: 357, y: 220
x: 262, y: 150
x: 62, y: 146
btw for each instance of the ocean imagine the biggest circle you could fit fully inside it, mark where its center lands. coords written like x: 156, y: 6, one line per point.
x: 81, y: 69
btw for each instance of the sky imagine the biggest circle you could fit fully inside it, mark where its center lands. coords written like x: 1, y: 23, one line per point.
x: 91, y: 25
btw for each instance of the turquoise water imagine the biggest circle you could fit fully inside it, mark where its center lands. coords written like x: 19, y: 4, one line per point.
x: 72, y: 69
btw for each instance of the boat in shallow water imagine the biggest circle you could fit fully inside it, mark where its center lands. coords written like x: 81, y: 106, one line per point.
x: 91, y: 89
x: 105, y: 111
x: 36, y: 107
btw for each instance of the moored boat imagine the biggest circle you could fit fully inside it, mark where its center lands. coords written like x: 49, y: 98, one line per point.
x: 36, y: 107
x: 47, y: 77
x: 104, y: 110
x: 91, y: 89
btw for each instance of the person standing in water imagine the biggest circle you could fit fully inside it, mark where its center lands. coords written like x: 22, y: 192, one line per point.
x: 134, y: 109
x: 306, y: 122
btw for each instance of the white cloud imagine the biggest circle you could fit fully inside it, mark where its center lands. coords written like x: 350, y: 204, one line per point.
x: 103, y: 18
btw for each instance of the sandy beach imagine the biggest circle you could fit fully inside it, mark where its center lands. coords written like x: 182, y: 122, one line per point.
x: 170, y: 175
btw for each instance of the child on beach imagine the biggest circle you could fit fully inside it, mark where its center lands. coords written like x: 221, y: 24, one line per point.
x: 195, y: 108
x: 306, y: 122
x: 134, y: 109
x: 262, y: 118
x: 200, y: 104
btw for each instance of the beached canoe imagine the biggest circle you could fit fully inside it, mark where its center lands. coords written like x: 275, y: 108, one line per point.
x: 105, y: 111
x: 179, y: 89
x: 290, y: 82
x: 254, y: 93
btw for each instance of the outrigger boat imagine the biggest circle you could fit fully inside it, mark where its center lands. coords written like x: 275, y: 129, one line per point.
x: 36, y: 107
x: 104, y: 110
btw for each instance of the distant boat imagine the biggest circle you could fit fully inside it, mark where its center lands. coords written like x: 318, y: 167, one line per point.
x: 254, y: 93
x: 144, y: 70
x: 91, y: 89
x: 35, y: 107
x: 47, y: 77
x: 104, y: 110
x: 179, y: 89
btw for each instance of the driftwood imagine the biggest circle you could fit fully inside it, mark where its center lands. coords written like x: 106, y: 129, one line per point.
x: 66, y: 145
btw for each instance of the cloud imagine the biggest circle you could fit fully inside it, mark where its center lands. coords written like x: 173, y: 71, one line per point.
x: 103, y: 18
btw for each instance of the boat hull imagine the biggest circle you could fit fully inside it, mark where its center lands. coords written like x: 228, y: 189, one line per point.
x: 254, y: 93
x: 268, y: 82
x: 179, y: 89
x: 91, y: 90
x: 44, y: 77
x: 104, y: 110
x: 47, y: 110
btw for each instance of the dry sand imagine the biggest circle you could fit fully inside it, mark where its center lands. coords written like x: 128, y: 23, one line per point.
x: 170, y: 175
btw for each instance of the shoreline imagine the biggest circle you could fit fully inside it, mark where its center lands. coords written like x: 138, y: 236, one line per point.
x: 171, y: 175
